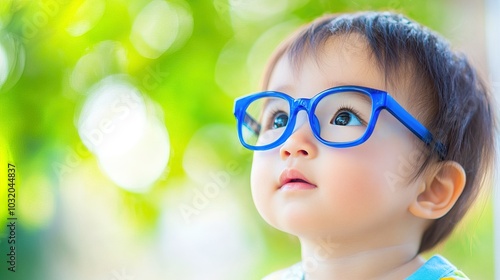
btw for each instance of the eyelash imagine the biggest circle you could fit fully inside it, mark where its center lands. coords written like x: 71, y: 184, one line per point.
x: 348, y: 108
x: 272, y: 114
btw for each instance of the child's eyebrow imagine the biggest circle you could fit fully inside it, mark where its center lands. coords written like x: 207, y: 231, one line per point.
x: 288, y: 89
x: 268, y: 101
x: 364, y: 98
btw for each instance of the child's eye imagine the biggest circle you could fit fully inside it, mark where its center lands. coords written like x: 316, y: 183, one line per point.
x: 280, y: 119
x: 346, y: 118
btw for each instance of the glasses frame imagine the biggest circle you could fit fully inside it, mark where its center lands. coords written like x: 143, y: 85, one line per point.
x: 381, y: 100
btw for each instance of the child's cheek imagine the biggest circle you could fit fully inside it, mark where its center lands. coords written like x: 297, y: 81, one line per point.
x: 359, y: 194
x: 381, y: 167
x: 394, y: 152
x: 356, y: 180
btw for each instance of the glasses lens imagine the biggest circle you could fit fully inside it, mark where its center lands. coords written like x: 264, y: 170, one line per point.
x: 344, y: 116
x: 265, y: 121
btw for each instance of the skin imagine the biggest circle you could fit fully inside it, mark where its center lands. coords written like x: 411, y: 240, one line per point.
x: 352, y: 221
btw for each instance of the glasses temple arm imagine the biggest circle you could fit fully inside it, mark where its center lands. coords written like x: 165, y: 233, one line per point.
x: 414, y: 126
x: 251, y: 124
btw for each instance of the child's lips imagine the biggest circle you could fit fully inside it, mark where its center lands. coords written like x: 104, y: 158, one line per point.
x: 292, y: 179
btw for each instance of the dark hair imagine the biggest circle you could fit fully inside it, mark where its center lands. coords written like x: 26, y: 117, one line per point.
x: 453, y: 101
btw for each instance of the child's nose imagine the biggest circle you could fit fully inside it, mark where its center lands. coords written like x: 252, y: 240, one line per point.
x: 302, y: 141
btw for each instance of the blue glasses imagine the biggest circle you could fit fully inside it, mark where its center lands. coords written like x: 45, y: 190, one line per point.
x: 339, y: 117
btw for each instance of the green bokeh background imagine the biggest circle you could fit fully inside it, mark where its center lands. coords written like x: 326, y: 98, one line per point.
x: 218, y: 54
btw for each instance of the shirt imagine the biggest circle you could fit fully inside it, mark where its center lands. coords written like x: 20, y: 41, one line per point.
x: 436, y: 268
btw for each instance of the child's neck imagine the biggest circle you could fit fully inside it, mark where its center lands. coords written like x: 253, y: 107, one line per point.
x: 326, y: 260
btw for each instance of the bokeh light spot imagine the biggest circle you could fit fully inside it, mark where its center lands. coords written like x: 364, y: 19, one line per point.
x: 124, y: 130
x: 253, y: 10
x: 113, y: 118
x: 4, y: 66
x: 233, y: 80
x: 105, y: 58
x: 266, y: 43
x: 86, y: 17
x: 12, y: 61
x: 157, y: 26
x: 137, y: 168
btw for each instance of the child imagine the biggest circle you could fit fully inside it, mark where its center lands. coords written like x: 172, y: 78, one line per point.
x: 371, y: 142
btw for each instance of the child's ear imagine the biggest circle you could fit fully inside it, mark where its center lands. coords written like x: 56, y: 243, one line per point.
x: 440, y: 191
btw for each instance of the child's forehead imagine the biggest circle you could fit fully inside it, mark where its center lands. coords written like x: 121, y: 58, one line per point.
x: 345, y: 59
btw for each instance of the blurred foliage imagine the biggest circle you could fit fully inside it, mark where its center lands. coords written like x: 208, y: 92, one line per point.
x: 57, y: 50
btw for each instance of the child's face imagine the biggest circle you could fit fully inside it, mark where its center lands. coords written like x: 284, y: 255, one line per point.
x: 350, y: 192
